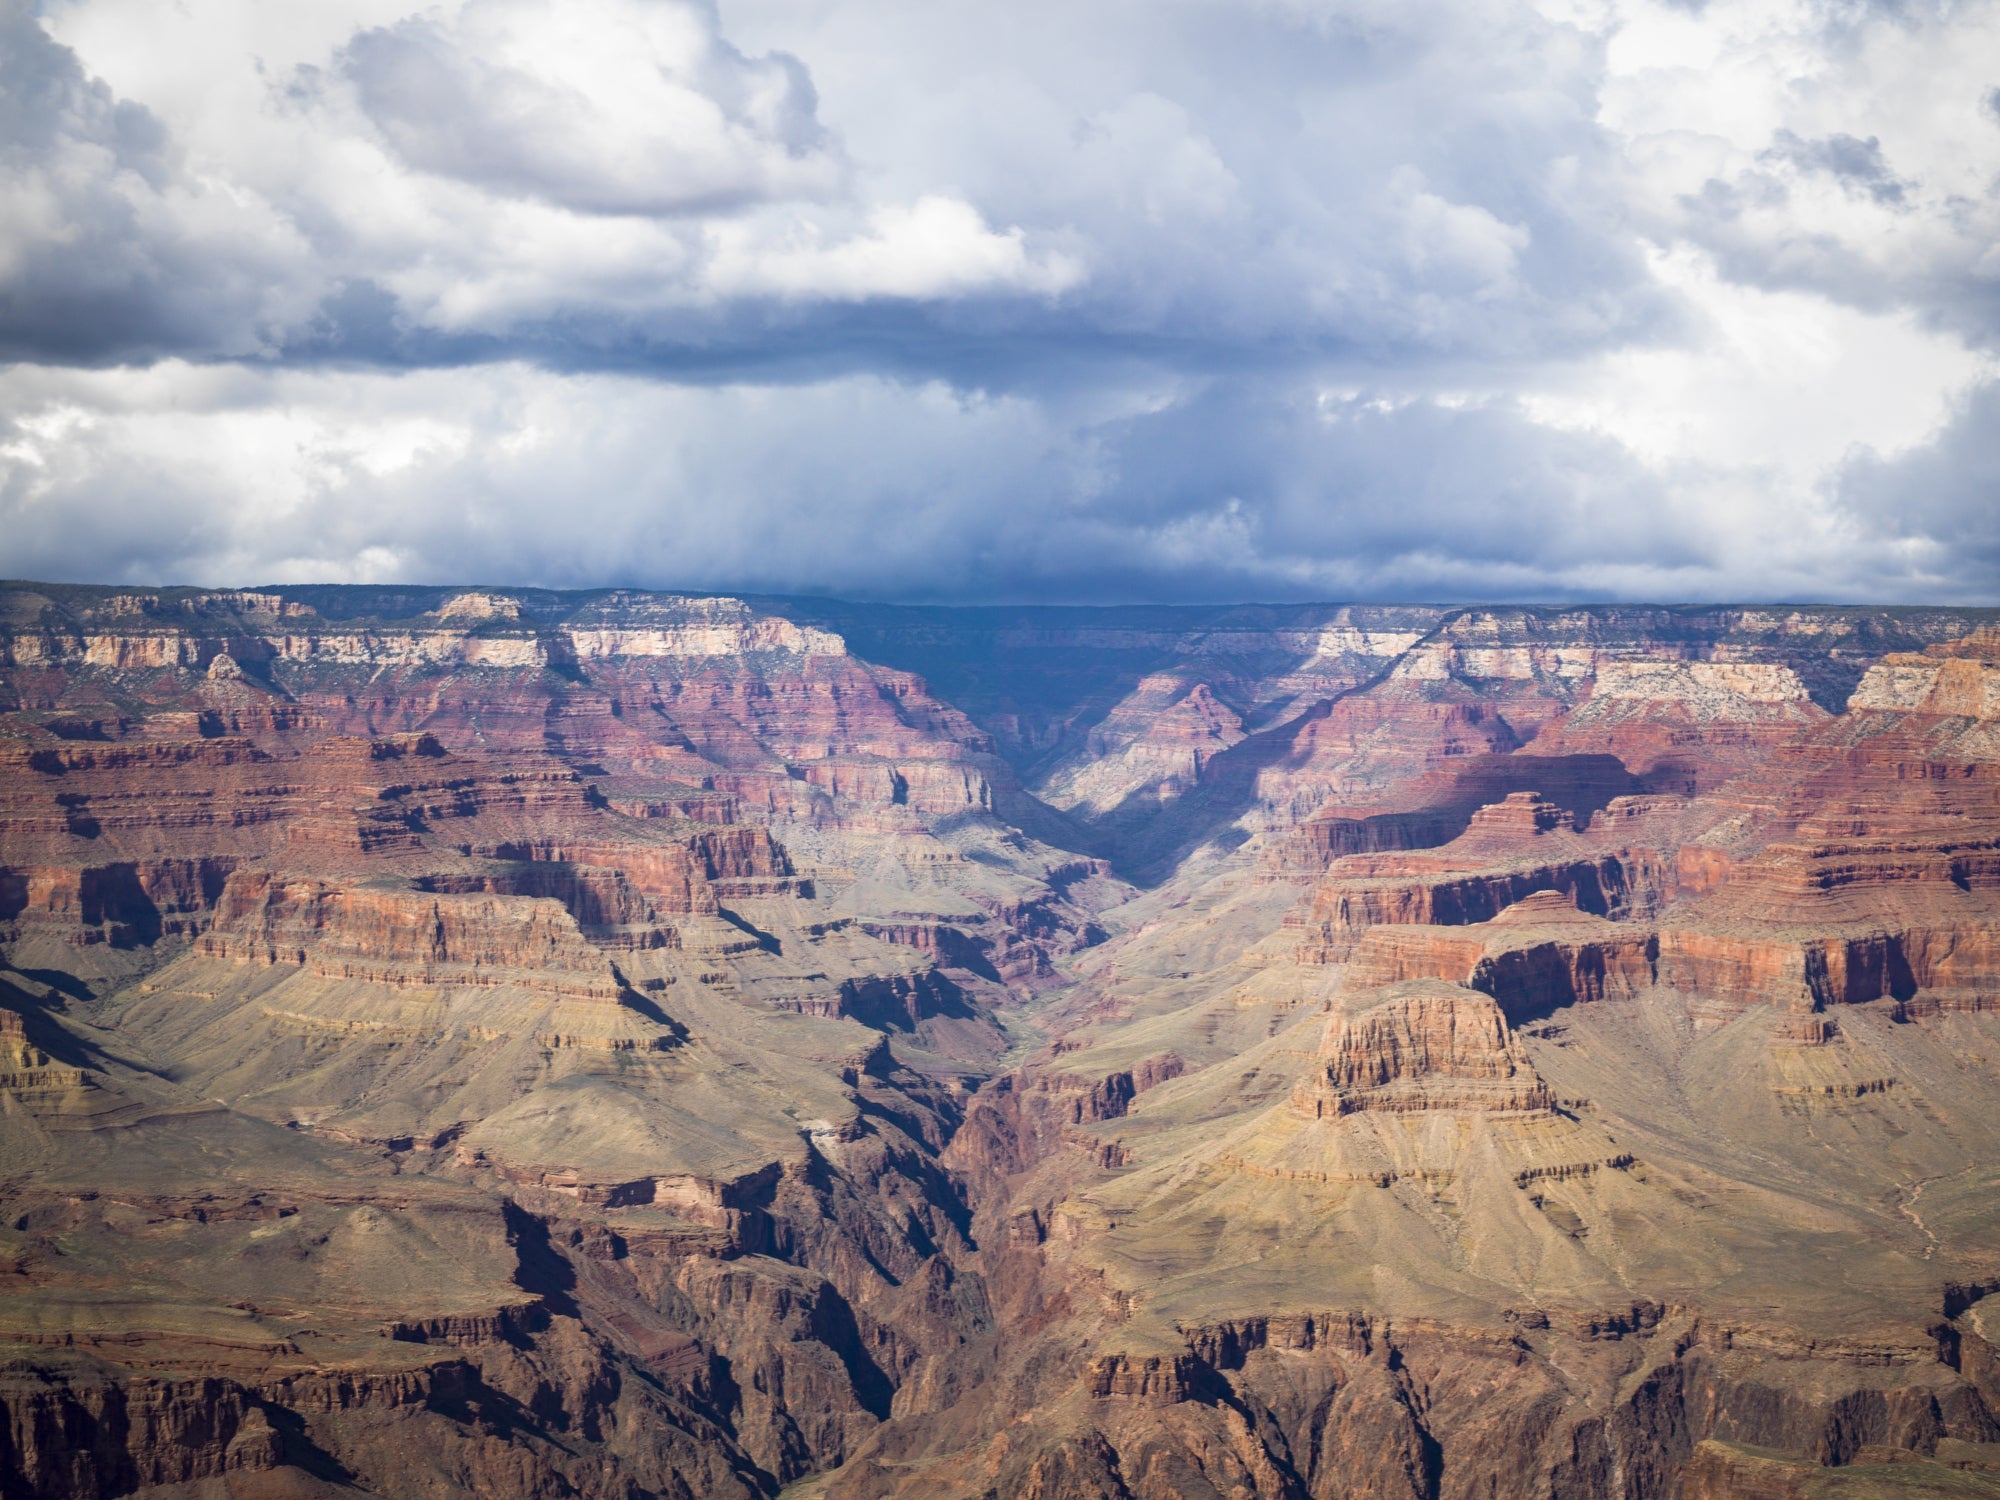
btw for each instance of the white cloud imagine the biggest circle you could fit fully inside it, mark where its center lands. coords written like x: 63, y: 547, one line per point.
x: 491, y: 166
x: 1782, y: 384
x: 1745, y: 120
x: 1621, y: 295
x: 936, y: 247
x: 105, y: 242
x: 603, y: 106
x: 1456, y: 245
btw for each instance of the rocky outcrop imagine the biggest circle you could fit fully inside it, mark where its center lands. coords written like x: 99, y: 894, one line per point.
x: 1733, y: 1471
x: 29, y: 1076
x: 1441, y: 806
x: 124, y: 903
x: 1536, y: 956
x: 479, y: 630
x: 408, y: 937
x: 1152, y: 747
x: 1959, y: 679
x: 1343, y: 911
x: 1422, y: 1048
x: 1525, y: 845
x: 1954, y: 967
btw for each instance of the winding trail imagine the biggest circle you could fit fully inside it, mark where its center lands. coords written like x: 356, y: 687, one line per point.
x: 1908, y: 1206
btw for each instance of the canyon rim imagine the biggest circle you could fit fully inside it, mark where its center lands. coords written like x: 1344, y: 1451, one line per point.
x: 611, y: 1044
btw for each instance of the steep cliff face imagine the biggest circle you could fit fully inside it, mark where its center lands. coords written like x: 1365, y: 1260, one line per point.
x: 1537, y: 956
x: 610, y: 1044
x: 1509, y: 851
x: 1422, y: 1049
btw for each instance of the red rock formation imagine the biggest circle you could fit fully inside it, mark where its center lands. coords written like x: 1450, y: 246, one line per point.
x: 1536, y: 956
x: 407, y: 937
x: 1423, y: 1049
x: 1438, y: 806
x: 1509, y: 851
x: 122, y: 903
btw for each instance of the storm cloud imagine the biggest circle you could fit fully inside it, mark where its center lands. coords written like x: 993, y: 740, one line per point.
x: 1189, y: 299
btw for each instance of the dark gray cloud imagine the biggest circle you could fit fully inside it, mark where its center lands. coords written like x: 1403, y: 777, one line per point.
x: 1858, y: 164
x: 1182, y: 298
x: 1935, y: 511
x: 109, y: 250
x: 1256, y: 187
x: 1226, y: 488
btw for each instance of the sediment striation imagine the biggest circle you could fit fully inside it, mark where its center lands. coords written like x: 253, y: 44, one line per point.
x: 605, y: 1044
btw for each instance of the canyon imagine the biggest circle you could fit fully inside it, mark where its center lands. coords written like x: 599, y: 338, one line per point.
x: 613, y: 1044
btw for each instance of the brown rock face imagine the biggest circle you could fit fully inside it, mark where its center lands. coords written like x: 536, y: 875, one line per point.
x: 1427, y: 1050
x: 1509, y: 851
x: 406, y: 937
x: 1727, y: 1471
x: 522, y: 1043
x: 1536, y: 956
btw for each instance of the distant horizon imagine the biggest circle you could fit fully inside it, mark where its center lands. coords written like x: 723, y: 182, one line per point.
x: 750, y: 595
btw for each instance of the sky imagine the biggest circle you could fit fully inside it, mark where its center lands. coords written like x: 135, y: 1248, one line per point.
x: 1051, y: 300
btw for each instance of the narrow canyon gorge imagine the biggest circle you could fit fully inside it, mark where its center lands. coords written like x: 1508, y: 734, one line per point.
x: 610, y: 1044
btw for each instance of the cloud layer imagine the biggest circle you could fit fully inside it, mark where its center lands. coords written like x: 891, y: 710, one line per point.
x: 1188, y: 299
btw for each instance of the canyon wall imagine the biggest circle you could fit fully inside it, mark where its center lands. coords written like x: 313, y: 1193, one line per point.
x: 526, y: 1043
